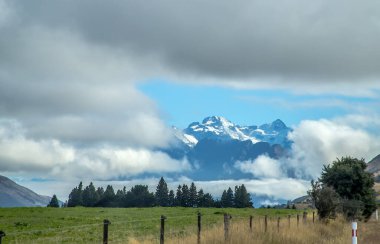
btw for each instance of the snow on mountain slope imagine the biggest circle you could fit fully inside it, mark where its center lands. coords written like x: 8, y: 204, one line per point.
x: 219, y: 128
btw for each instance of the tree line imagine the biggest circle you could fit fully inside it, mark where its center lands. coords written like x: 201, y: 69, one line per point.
x: 140, y: 196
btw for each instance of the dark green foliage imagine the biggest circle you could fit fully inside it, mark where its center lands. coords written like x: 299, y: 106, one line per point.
x: 139, y: 196
x: 347, y: 176
x: 178, y: 196
x: 108, y: 199
x: 90, y: 196
x: 193, y: 195
x: 242, y: 198
x: 325, y: 199
x: 75, y: 197
x: 100, y: 192
x: 162, y: 193
x: 54, y: 202
x: 208, y: 201
x: 185, y: 200
x: 227, y: 199
x: 205, y: 200
x: 171, y: 198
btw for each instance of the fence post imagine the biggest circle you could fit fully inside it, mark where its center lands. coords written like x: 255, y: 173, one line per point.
x: 313, y: 216
x: 377, y: 215
x: 106, y: 222
x: 289, y: 220
x: 199, y: 227
x: 226, y: 226
x: 266, y: 223
x: 354, y: 232
x: 250, y: 223
x: 162, y: 230
x: 298, y: 219
x: 304, y: 217
x: 2, y: 234
x: 278, y: 224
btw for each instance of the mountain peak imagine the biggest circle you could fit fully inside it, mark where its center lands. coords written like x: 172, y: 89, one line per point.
x: 220, y: 128
x: 278, y: 124
x: 217, y: 120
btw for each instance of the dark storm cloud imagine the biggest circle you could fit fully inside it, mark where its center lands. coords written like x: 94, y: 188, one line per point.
x: 295, y: 39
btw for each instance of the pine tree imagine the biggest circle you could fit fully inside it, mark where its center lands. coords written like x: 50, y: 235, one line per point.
x: 227, y: 199
x: 185, y: 201
x: 100, y: 192
x: 171, y: 198
x: 139, y: 196
x: 193, y: 195
x: 54, y: 202
x: 242, y: 198
x: 90, y: 196
x: 75, y: 197
x: 178, y: 196
x: 208, y: 201
x: 200, y: 198
x: 162, y: 193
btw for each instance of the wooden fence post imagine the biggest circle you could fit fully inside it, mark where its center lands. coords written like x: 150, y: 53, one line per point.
x: 199, y: 227
x: 313, y: 216
x: 298, y: 219
x: 266, y: 223
x: 304, y: 217
x: 162, y: 230
x: 106, y: 222
x: 2, y: 234
x: 226, y: 226
x: 278, y: 224
x: 250, y: 223
x: 289, y: 220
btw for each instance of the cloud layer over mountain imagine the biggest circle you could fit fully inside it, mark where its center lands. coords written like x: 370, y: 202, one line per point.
x: 69, y: 70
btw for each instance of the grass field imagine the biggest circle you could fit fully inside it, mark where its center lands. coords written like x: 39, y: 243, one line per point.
x: 136, y: 225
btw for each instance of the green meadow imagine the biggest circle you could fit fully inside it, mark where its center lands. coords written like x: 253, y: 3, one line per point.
x: 85, y: 225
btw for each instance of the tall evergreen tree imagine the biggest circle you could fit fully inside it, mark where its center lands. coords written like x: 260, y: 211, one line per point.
x: 208, y: 201
x: 139, y: 196
x: 193, y: 195
x: 100, y: 192
x: 227, y: 199
x: 108, y: 198
x: 185, y: 201
x: 171, y: 198
x: 54, y: 202
x: 90, y: 196
x: 75, y: 197
x: 242, y: 198
x: 200, y: 198
x: 178, y: 196
x: 162, y: 193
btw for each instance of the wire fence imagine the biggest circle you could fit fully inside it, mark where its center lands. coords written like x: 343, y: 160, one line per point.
x: 159, y: 229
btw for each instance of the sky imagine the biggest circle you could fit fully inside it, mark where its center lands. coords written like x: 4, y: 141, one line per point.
x: 88, y: 89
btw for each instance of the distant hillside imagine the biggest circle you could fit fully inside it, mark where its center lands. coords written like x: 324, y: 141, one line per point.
x: 373, y: 166
x: 14, y: 195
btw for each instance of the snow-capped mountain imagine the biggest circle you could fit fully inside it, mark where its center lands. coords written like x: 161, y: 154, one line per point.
x: 216, y: 144
x: 219, y: 128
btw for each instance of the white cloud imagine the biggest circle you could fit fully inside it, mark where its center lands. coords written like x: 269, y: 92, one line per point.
x: 320, y: 142
x: 262, y: 167
x: 51, y: 158
x: 284, y: 188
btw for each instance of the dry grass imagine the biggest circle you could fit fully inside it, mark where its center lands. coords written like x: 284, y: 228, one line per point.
x: 336, y: 231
